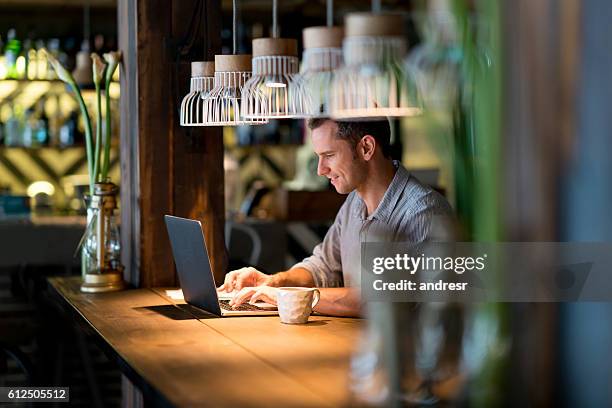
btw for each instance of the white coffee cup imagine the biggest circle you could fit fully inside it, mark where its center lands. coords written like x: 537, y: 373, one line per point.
x: 295, y: 304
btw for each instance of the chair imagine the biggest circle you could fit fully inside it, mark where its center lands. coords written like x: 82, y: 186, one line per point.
x: 243, y: 244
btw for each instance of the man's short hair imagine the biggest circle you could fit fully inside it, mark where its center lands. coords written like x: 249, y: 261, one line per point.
x: 352, y: 132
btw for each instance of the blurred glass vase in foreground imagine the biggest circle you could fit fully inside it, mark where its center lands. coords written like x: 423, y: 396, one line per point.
x: 419, y: 354
x: 102, y: 269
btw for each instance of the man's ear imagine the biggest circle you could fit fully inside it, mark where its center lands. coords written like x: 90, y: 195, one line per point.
x: 367, y: 146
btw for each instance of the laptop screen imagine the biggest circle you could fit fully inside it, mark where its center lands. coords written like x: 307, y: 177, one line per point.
x: 192, y: 263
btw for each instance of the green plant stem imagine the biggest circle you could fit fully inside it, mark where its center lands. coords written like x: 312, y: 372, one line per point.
x: 107, y: 138
x: 96, y: 169
x: 88, y: 141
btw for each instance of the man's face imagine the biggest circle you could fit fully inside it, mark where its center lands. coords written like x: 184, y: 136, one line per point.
x: 338, y: 160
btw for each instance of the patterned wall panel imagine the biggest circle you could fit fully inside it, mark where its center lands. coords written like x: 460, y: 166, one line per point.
x: 19, y: 167
x: 270, y: 164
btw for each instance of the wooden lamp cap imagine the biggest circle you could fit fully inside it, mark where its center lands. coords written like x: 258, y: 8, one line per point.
x: 374, y: 25
x: 202, y: 69
x: 323, y: 37
x: 233, y: 63
x: 274, y: 46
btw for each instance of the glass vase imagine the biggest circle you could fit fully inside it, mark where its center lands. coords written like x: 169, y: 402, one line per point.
x: 90, y: 262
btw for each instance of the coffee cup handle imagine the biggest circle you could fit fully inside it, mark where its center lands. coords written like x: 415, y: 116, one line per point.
x: 316, y: 296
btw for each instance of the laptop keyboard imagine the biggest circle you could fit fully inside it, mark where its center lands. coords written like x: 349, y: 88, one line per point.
x: 243, y: 307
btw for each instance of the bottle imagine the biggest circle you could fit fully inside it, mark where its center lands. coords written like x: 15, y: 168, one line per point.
x: 69, y: 131
x: 56, y: 119
x: 42, y: 129
x: 31, y: 61
x: 28, y: 136
x: 42, y: 64
x: 2, y: 60
x: 53, y: 49
x: 11, y: 53
x: 21, y: 66
x: 13, y: 128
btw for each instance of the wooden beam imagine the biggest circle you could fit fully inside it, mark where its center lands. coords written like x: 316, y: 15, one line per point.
x: 166, y: 169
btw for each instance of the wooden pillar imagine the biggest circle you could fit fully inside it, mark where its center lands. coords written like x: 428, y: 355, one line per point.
x: 165, y: 168
x: 541, y: 55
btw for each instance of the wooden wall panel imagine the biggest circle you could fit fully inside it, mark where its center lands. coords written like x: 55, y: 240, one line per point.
x: 170, y: 169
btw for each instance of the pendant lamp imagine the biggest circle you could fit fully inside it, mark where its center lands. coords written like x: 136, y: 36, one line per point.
x: 223, y: 104
x: 373, y: 84
x: 275, y: 91
x: 83, y: 74
x: 322, y: 56
x: 192, y: 106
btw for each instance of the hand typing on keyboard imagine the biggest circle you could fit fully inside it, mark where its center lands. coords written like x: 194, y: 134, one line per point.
x: 244, y: 277
x: 253, y: 294
x: 223, y: 295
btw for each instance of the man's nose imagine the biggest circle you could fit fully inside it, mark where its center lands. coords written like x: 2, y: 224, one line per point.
x: 322, y: 169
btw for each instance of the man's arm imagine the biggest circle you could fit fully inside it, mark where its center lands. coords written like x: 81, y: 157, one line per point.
x: 295, y: 276
x: 339, y: 302
x: 333, y: 301
x: 251, y: 277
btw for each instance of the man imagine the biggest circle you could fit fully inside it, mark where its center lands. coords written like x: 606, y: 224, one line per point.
x: 384, y: 203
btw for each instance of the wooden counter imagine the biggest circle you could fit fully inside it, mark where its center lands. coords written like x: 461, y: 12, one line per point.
x: 180, y: 356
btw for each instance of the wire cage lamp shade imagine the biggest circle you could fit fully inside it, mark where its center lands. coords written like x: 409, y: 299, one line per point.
x: 192, y: 105
x: 322, y: 56
x: 275, y: 91
x: 223, y: 105
x: 373, y: 83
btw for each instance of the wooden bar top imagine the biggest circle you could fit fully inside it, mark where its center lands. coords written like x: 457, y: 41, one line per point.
x: 184, y: 357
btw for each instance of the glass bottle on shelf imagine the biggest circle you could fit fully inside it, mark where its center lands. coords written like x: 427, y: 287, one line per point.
x: 28, y: 136
x: 56, y: 119
x: 3, y: 60
x: 11, y: 53
x: 42, y: 64
x: 69, y: 131
x: 53, y: 49
x: 31, y: 62
x: 13, y: 127
x: 42, y: 130
x: 21, y: 66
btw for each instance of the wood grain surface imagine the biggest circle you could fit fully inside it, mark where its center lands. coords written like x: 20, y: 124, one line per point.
x: 194, y: 359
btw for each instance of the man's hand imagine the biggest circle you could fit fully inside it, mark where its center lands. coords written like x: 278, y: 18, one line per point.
x: 266, y: 294
x: 243, y: 277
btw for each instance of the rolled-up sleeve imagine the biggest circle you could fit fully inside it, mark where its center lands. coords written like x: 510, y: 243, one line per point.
x: 325, y: 264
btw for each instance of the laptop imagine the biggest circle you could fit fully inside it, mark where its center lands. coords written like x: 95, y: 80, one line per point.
x: 195, y: 273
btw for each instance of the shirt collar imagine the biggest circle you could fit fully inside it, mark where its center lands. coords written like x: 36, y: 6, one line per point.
x: 389, y: 200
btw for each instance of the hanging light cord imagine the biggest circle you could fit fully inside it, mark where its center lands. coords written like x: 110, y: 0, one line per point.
x: 274, y: 18
x: 234, y: 17
x: 86, y: 22
x: 206, y: 36
x: 330, y: 13
x: 184, y: 48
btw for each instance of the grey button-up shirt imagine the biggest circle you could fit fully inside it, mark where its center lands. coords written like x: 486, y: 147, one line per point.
x: 405, y: 214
